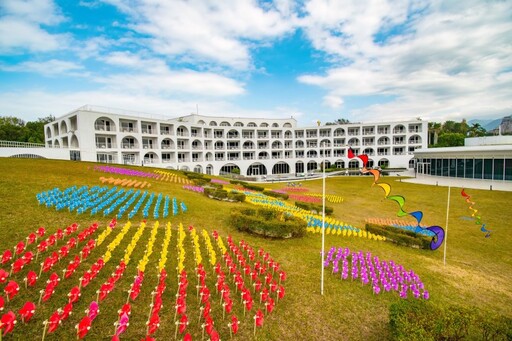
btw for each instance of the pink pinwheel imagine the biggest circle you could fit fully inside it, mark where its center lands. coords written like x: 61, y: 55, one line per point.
x: 54, y: 321
x: 7, y: 256
x: 122, y: 324
x: 93, y: 310
x: 83, y: 327
x: 11, y: 289
x: 7, y: 322
x: 27, y: 311
x: 3, y: 275
x: 74, y: 294
x: 31, y: 278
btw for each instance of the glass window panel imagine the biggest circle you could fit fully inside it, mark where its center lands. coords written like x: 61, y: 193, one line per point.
x: 453, y: 164
x: 469, y: 168
x: 439, y: 166
x: 478, y: 168
x: 487, y: 168
x: 498, y: 169
x: 460, y: 168
x: 432, y: 166
x: 508, y: 169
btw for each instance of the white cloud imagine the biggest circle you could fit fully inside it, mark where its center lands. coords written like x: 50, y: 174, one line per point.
x: 445, y: 59
x: 332, y: 101
x: 30, y: 105
x: 47, y: 68
x: 20, y: 26
x: 220, y: 32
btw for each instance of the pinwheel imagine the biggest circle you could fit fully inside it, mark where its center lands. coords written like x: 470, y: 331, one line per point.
x: 125, y: 309
x: 258, y: 320
x: 280, y: 293
x: 105, y: 289
x: 83, y: 327
x: 3, y: 275
x: 153, y: 324
x: 6, y: 256
x: 42, y: 246
x: 41, y: 231
x: 11, y: 290
x: 93, y: 310
x: 233, y: 325
x: 2, y: 303
x: 47, y: 293
x: 7, y: 322
x: 53, y: 279
x: 74, y: 294
x: 269, y: 304
x: 66, y: 311
x: 20, y: 247
x: 28, y: 257
x: 31, y: 239
x: 31, y: 279
x: 27, y: 311
x: 54, y: 321
x: 122, y: 324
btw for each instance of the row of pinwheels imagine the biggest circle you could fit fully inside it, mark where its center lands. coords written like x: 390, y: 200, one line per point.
x: 171, y: 177
x: 198, y: 189
x: 382, y: 275
x: 125, y: 182
x: 241, y: 265
x: 107, y: 201
x: 401, y: 224
x: 125, y: 171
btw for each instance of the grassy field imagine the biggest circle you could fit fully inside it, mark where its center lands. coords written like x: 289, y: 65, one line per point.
x: 478, y: 270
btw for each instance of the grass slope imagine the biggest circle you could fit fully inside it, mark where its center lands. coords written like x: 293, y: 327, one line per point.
x: 478, y: 270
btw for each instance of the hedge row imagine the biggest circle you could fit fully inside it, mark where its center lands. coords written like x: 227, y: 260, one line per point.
x: 314, y: 208
x: 283, y: 196
x: 268, y: 223
x: 247, y: 185
x: 222, y: 194
x: 422, y: 320
x: 400, y: 236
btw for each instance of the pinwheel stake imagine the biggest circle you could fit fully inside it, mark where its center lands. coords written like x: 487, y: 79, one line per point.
x: 176, y: 330
x: 201, y: 308
x: 41, y: 292
x: 202, y: 327
x: 44, y: 329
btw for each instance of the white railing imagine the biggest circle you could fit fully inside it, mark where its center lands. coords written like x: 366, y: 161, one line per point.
x: 16, y: 144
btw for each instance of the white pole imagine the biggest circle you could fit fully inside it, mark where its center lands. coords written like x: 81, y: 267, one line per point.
x: 323, y: 227
x: 446, y: 229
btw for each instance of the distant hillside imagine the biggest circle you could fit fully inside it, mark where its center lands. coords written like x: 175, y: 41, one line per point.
x: 487, y: 124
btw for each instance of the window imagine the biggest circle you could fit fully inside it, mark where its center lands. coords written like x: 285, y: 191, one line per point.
x: 498, y: 169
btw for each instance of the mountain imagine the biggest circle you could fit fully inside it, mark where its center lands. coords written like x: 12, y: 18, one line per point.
x: 486, y: 124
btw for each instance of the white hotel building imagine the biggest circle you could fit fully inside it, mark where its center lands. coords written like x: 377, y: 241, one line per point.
x: 214, y: 145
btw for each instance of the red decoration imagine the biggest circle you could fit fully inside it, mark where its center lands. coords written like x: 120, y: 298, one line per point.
x: 7, y: 322
x: 27, y: 311
x: 83, y: 327
x: 11, y: 289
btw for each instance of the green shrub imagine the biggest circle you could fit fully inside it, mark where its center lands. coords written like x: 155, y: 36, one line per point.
x: 253, y: 187
x: 283, y: 196
x: 400, y: 236
x: 268, y: 223
x: 222, y: 194
x: 236, y: 196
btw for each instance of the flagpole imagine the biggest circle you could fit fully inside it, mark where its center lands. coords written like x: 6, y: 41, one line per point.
x: 446, y: 229
x: 323, y: 223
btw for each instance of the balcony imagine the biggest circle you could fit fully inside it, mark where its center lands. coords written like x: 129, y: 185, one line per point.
x: 103, y: 127
x: 128, y: 146
x: 103, y: 145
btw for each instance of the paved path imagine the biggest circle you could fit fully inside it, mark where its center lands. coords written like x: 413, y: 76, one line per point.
x: 464, y: 183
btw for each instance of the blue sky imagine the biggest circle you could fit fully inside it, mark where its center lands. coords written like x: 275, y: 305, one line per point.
x: 366, y: 61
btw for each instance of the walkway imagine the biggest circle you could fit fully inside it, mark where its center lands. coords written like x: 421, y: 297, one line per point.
x: 493, y: 185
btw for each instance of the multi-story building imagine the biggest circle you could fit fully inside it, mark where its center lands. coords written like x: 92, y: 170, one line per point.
x: 214, y: 145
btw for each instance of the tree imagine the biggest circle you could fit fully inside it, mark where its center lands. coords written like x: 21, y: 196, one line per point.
x: 338, y: 121
x: 476, y: 130
x: 12, y: 129
x: 450, y: 140
x: 434, y: 128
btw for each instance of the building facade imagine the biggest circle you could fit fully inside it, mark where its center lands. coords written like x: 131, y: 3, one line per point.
x: 487, y: 158
x: 217, y: 145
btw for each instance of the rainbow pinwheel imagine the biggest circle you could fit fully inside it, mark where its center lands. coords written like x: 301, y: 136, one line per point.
x: 474, y: 215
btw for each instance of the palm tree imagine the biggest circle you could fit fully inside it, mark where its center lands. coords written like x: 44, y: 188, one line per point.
x: 476, y: 130
x: 434, y: 128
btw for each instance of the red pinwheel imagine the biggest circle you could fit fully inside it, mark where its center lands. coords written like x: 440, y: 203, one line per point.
x: 63, y: 251
x: 205, y: 294
x: 149, y: 338
x: 59, y: 234
x: 66, y: 311
x: 234, y: 324
x: 258, y: 319
x: 157, y: 305
x: 7, y: 256
x: 105, y: 289
x: 54, y: 321
x: 47, y: 264
x: 257, y: 285
x: 48, y: 292
x: 31, y: 278
x: 270, y: 304
x: 273, y: 286
x: 27, y: 311
x: 181, y: 305
x: 42, y: 246
x: 228, y: 305
x: 20, y: 247
x: 83, y: 327
x: 183, y: 323
x: 214, y: 336
x: 282, y: 276
x: 248, y: 304
x: 41, y: 231
x: 11, y: 290
x: 7, y: 322
x: 54, y: 279
x: 153, y: 324
x: 52, y: 240
x: 31, y: 239
x: 280, y: 292
x: 71, y: 243
x: 264, y: 294
x: 74, y: 294
x: 86, y: 278
x: 18, y: 265
x: 28, y: 257
x: 187, y: 337
x: 3, y: 275
x: 208, y: 323
x: 2, y: 303
x: 207, y: 309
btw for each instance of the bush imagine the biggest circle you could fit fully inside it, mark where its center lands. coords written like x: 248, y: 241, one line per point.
x: 222, y: 194
x: 236, y: 196
x: 253, y: 187
x: 313, y: 207
x: 283, y: 196
x: 421, y: 320
x: 399, y: 236
x: 268, y: 223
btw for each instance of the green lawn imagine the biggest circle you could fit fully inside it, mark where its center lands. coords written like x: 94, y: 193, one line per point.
x: 478, y: 270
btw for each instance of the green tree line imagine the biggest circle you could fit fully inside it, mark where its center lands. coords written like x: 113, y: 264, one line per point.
x: 451, y: 133
x: 15, y: 129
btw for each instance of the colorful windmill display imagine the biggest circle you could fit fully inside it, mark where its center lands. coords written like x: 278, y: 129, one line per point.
x: 475, y: 215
